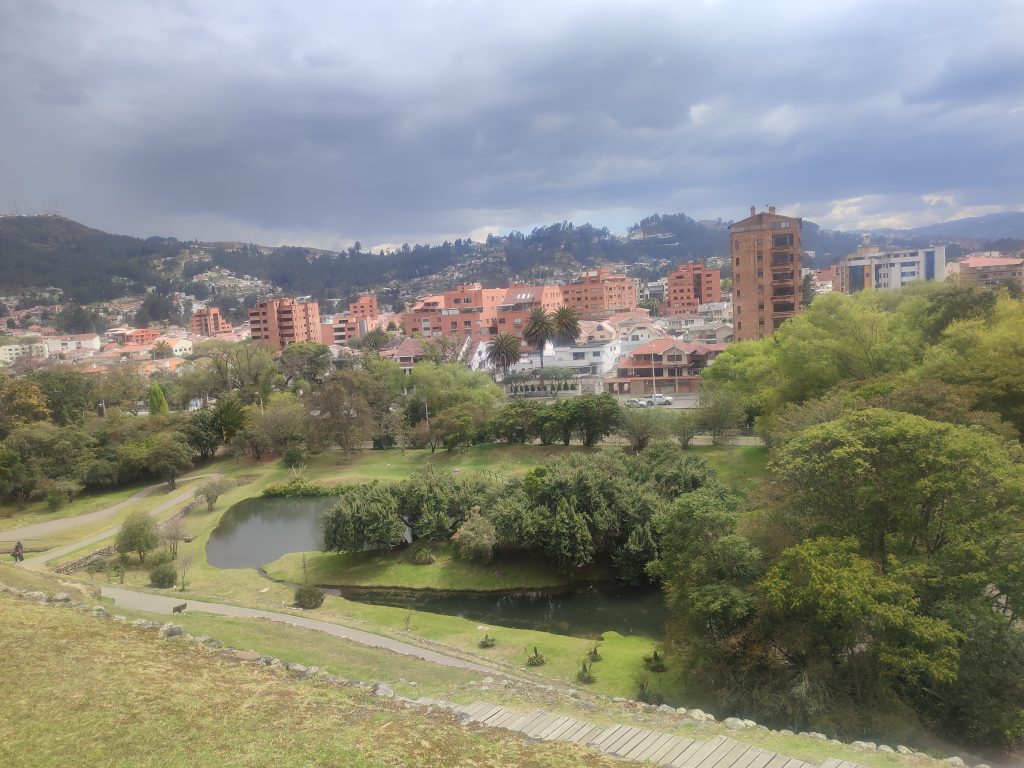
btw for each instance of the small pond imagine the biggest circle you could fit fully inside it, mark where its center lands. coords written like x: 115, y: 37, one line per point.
x: 584, y: 613
x: 259, y: 530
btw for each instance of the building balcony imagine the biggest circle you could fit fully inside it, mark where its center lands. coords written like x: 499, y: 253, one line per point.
x: 782, y: 259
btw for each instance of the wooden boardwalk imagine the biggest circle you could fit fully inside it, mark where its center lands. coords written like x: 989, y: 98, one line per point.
x: 629, y: 742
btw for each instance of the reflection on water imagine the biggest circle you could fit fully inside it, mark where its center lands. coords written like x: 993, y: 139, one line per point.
x: 586, y: 613
x: 259, y: 530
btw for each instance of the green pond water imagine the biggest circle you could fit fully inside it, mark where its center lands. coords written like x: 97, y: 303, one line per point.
x: 259, y: 530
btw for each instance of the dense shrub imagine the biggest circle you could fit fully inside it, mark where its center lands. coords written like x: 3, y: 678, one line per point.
x: 160, y: 557
x: 163, y: 576
x: 298, y: 488
x: 422, y: 556
x: 475, y: 539
x: 308, y: 597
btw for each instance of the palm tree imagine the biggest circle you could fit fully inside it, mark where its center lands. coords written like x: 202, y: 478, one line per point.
x: 540, y: 328
x: 567, y: 325
x: 160, y: 350
x: 231, y: 417
x: 375, y: 340
x: 505, y: 351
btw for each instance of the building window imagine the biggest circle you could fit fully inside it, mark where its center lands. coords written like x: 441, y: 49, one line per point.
x: 578, y: 355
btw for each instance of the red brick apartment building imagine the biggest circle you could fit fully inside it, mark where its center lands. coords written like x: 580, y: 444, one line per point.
x: 766, y: 251
x: 599, y: 293
x: 280, y: 322
x: 209, y: 322
x: 689, y: 285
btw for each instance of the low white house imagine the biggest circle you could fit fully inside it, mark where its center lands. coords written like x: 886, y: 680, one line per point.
x: 57, y: 344
x: 592, y: 358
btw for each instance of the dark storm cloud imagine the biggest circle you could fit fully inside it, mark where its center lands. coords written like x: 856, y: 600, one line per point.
x: 323, y: 122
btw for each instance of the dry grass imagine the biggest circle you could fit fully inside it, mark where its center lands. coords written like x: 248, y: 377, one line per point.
x: 78, y: 691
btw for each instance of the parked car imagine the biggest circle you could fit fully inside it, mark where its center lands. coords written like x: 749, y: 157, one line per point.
x: 635, y: 402
x: 659, y: 399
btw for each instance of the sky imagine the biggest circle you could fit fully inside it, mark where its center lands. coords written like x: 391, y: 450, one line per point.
x: 322, y: 122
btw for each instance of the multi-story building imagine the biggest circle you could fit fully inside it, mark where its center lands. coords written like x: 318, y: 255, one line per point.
x: 209, y: 322
x: 870, y: 268
x: 991, y: 269
x: 689, y: 285
x: 521, y: 300
x: 280, y: 322
x: 60, y: 345
x: 469, y: 310
x: 766, y: 261
x: 362, y: 316
x: 663, y: 365
x: 12, y: 349
x: 599, y: 293
x: 141, y: 336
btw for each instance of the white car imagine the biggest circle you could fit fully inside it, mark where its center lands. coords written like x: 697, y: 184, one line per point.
x: 659, y: 399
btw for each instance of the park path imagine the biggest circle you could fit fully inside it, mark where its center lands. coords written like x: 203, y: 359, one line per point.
x: 38, y: 561
x: 143, y: 601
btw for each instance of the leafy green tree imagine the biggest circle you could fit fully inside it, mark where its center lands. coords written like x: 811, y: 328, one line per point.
x: 21, y: 402
x: 504, y: 352
x: 213, y: 490
x: 340, y: 414
x: 121, y: 386
x: 68, y: 392
x: 721, y: 413
x: 74, y: 318
x: 203, y: 433
x: 594, y: 417
x: 375, y: 340
x: 168, y: 456
x: 157, y: 401
x: 365, y: 518
x: 538, y: 330
x: 631, y: 559
x: 685, y: 426
x: 515, y: 422
x: 642, y: 425
x: 138, y: 535
x: 565, y: 538
x: 305, y: 360
x: 475, y: 539
x: 281, y: 423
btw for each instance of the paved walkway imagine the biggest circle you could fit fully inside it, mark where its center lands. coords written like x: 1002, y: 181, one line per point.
x: 37, y: 562
x: 143, y: 601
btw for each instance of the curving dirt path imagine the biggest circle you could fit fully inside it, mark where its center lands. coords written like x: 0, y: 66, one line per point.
x: 143, y: 601
x: 38, y: 561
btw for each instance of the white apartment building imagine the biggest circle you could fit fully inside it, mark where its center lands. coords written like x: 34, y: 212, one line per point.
x: 21, y: 348
x: 873, y: 269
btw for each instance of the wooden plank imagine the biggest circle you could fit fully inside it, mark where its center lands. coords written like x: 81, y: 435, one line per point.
x: 726, y: 755
x: 762, y: 760
x: 834, y: 762
x: 778, y: 761
x: 627, y: 735
x: 576, y: 730
x: 610, y: 732
x: 674, y: 747
x: 659, y: 743
x: 683, y: 750
x: 523, y: 723
x: 695, y: 758
x: 476, y: 706
x: 642, y: 746
x: 747, y: 758
x: 539, y: 725
x: 550, y: 728
x: 558, y: 734
x: 507, y: 717
x: 641, y: 736
x: 500, y: 712
x: 483, y: 714
x: 587, y: 735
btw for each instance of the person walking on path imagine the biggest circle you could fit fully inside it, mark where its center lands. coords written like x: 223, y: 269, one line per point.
x: 18, y: 553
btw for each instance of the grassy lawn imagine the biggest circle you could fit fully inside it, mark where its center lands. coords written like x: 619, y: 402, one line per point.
x: 135, y: 700
x: 396, y: 569
x: 38, y: 512
x: 741, y: 468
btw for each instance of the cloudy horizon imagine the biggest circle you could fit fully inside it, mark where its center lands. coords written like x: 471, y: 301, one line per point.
x: 321, y: 123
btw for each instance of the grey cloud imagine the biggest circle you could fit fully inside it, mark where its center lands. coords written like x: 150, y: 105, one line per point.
x: 375, y: 122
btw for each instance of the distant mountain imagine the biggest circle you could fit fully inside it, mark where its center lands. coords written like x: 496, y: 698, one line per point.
x: 87, y: 264
x: 995, y: 226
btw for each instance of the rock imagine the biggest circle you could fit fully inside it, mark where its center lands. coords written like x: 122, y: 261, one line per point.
x: 35, y: 595
x: 835, y: 742
x: 383, y: 689
x: 733, y: 724
x: 487, y: 680
x: 214, y: 643
x: 61, y: 597
x: 982, y: 765
x: 200, y: 639
x: 786, y: 732
x: 619, y: 700
x: 696, y: 714
x: 749, y: 723
x: 100, y: 612
x: 667, y: 709
x: 680, y: 710
x: 818, y: 736
x: 955, y: 762
x: 904, y: 750
x: 864, y: 746
x: 885, y: 748
x: 247, y: 656
x: 120, y: 619
x: 171, y: 630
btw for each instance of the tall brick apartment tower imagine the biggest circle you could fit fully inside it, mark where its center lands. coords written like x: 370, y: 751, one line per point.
x: 766, y: 253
